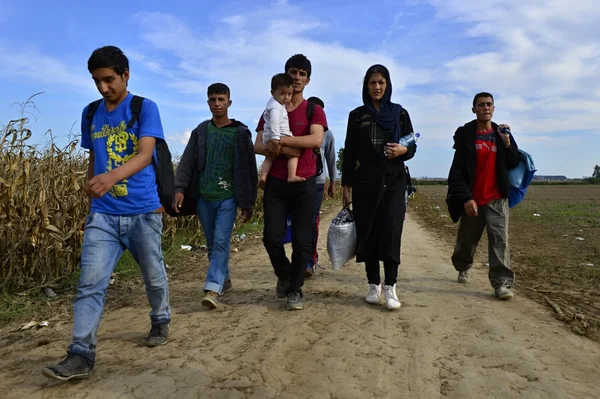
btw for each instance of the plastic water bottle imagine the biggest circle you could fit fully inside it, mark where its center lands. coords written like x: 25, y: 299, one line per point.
x: 409, y: 139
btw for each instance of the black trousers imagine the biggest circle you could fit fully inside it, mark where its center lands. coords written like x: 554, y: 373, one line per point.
x: 390, y: 268
x: 297, y: 200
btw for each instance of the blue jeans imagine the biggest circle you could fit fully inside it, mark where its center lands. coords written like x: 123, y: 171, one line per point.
x: 315, y: 230
x: 217, y: 219
x: 105, y: 239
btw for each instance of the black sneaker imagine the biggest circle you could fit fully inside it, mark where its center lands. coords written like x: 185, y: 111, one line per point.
x: 294, y: 301
x: 72, y: 367
x: 282, y: 286
x: 159, y: 335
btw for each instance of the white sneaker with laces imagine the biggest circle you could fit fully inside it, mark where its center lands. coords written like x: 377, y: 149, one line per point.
x: 373, y: 295
x: 391, y: 299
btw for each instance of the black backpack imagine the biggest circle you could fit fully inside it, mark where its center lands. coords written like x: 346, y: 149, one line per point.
x: 163, y: 165
x: 310, y: 111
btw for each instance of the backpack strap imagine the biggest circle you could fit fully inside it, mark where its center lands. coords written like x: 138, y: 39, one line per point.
x: 136, y: 110
x: 310, y: 111
x: 92, y: 108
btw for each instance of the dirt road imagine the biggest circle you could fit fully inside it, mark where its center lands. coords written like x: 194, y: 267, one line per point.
x: 447, y: 340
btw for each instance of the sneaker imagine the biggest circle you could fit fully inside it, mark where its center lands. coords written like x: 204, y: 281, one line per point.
x: 72, y: 367
x: 282, y: 286
x: 373, y: 295
x: 227, y: 286
x: 503, y: 292
x: 158, y: 335
x: 391, y: 299
x: 310, y: 271
x: 464, y: 276
x: 294, y: 301
x: 211, y: 300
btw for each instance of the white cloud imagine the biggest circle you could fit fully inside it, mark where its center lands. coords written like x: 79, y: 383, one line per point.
x: 538, y: 58
x: 180, y: 138
x: 28, y: 62
x: 235, y: 20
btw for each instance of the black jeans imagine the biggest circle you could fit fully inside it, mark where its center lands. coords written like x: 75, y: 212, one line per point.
x: 298, y: 200
x: 391, y: 272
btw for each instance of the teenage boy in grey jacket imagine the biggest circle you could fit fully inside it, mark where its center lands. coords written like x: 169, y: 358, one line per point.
x: 219, y: 157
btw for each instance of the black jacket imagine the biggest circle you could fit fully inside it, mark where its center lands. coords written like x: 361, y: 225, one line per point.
x: 462, y: 171
x: 378, y: 188
x: 245, y: 173
x: 359, y: 151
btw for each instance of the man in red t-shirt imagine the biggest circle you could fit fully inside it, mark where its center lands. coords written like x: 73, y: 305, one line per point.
x: 296, y: 199
x: 477, y: 194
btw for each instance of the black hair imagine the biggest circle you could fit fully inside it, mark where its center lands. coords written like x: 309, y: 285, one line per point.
x: 299, y: 61
x: 482, y: 94
x: 108, y: 57
x: 281, y: 80
x: 218, y: 88
x: 317, y: 101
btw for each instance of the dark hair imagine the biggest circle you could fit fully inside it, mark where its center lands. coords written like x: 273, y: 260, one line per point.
x: 108, y: 57
x: 299, y: 61
x: 317, y: 101
x: 281, y: 80
x: 218, y: 88
x: 482, y: 94
x: 377, y: 68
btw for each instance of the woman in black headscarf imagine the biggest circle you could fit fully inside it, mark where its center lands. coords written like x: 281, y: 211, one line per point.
x: 373, y: 167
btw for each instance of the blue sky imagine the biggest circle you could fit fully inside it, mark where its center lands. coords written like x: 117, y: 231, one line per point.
x: 539, y: 58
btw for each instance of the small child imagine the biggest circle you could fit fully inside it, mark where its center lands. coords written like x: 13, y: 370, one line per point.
x: 277, y: 124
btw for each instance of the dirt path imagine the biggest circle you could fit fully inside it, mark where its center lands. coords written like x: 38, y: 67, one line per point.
x: 447, y: 340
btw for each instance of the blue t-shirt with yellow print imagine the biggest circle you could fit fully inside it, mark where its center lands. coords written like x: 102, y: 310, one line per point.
x: 113, y: 145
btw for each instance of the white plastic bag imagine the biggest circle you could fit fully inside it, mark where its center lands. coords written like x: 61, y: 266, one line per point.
x: 341, y: 239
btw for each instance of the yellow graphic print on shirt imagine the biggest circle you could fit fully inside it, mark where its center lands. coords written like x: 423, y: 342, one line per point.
x: 121, y: 146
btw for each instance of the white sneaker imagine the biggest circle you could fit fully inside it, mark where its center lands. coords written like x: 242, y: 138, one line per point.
x: 391, y: 299
x: 373, y: 295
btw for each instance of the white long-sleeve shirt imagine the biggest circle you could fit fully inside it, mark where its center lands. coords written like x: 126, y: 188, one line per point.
x: 277, y: 123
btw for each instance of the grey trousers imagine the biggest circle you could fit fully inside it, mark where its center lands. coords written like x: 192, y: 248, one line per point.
x: 494, y: 216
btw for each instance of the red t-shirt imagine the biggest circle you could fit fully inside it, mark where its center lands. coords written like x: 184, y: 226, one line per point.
x: 485, y: 185
x: 307, y: 162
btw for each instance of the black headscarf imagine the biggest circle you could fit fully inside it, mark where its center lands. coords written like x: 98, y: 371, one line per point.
x: 389, y: 114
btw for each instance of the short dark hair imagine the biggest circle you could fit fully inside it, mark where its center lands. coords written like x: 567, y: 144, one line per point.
x: 218, y: 88
x: 281, y: 80
x: 317, y: 101
x: 482, y: 94
x: 108, y: 57
x: 299, y: 61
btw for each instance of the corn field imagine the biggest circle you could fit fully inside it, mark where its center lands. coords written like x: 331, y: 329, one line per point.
x: 43, y: 209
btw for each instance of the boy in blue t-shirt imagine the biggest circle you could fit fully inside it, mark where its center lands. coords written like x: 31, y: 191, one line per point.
x: 125, y: 213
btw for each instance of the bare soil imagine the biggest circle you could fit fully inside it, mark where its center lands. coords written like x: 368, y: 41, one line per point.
x: 448, y: 339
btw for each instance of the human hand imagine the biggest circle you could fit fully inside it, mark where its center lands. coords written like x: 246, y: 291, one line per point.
x: 331, y: 190
x: 504, y: 136
x: 273, y: 148
x: 471, y: 208
x: 99, y: 185
x: 178, y: 202
x: 393, y: 150
x: 347, y: 198
x: 246, y: 214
